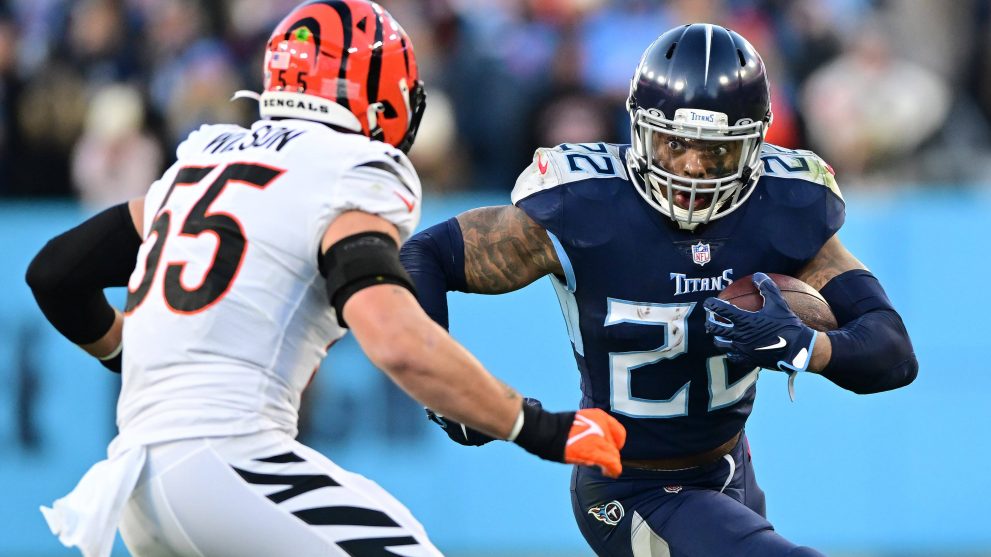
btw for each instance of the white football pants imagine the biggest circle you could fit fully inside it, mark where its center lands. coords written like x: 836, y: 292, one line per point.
x: 263, y: 495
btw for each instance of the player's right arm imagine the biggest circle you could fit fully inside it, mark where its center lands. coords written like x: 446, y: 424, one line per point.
x: 68, y: 275
x: 491, y: 250
x: 505, y: 250
x: 420, y: 357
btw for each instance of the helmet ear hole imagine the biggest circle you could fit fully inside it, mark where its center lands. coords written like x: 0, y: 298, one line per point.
x: 388, y: 111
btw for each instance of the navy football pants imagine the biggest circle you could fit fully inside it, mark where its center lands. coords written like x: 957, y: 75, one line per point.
x: 679, y: 514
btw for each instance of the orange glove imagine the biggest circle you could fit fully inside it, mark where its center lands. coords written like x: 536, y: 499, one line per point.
x: 595, y: 440
x: 590, y: 437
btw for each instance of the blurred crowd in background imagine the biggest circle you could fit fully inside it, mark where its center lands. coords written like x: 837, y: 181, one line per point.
x: 96, y: 94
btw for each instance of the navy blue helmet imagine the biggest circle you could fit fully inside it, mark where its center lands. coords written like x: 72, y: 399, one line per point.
x: 705, y: 85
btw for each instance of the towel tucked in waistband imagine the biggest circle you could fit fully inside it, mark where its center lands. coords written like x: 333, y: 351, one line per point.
x: 87, y: 517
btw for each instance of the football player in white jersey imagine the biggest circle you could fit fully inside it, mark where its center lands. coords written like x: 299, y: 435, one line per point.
x: 256, y: 250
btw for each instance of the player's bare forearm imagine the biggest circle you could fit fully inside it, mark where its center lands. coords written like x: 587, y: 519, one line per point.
x: 423, y: 360
x: 821, y: 353
x: 505, y: 250
x: 832, y: 260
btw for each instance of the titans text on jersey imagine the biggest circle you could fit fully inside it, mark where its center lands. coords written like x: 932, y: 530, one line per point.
x: 685, y: 284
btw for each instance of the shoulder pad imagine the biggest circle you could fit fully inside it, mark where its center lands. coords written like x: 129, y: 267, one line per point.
x: 377, y: 164
x: 378, y: 149
x: 798, y: 164
x: 380, y: 180
x: 566, y: 163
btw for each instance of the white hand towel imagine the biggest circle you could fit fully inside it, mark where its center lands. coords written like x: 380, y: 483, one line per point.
x: 87, y: 517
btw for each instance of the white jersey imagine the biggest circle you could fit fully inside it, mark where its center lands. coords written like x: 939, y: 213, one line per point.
x: 228, y: 316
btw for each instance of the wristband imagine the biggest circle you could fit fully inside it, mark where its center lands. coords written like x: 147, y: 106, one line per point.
x: 516, y: 426
x: 112, y: 355
x: 544, y: 433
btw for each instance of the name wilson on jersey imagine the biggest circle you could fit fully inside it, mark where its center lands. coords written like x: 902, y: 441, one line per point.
x: 264, y: 137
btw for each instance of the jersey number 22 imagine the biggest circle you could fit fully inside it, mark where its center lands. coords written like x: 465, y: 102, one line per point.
x: 674, y: 319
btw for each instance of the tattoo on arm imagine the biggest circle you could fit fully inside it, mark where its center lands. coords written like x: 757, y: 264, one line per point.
x: 505, y: 250
x: 832, y: 260
x: 510, y: 392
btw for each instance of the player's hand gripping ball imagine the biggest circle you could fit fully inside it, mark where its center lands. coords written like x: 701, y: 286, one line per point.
x: 771, y: 336
x: 806, y: 302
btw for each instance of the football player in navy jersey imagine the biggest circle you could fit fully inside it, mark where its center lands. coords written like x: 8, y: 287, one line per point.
x: 638, y: 240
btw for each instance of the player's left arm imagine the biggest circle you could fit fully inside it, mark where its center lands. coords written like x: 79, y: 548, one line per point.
x: 68, y: 275
x: 831, y: 261
x: 870, y: 351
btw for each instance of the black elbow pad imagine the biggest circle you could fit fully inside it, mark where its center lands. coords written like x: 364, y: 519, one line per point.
x: 359, y: 261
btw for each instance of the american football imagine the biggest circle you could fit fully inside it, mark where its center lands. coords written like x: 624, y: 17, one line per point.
x: 807, y: 303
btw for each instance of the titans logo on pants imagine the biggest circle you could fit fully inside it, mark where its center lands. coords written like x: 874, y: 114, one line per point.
x: 610, y: 513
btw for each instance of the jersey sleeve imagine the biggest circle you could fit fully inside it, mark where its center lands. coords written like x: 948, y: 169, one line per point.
x: 383, y: 184
x: 537, y: 190
x: 810, y: 205
x: 814, y: 170
x: 375, y: 179
x: 585, y: 170
x: 821, y: 173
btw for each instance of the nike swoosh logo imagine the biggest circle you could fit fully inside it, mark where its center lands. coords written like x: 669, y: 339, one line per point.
x: 781, y: 342
x: 541, y: 163
x: 409, y: 204
x: 592, y: 429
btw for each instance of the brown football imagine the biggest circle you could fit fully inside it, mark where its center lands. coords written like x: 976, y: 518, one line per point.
x: 807, y: 303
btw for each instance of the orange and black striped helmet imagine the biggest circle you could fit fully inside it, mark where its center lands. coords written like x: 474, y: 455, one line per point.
x: 347, y: 63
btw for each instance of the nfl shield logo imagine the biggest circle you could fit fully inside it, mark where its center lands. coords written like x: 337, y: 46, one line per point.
x: 701, y: 254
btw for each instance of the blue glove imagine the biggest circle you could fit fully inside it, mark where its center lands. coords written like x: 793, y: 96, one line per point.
x: 464, y: 435
x: 771, y: 338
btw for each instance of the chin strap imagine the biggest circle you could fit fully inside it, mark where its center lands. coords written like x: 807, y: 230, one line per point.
x: 374, y: 130
x: 245, y: 94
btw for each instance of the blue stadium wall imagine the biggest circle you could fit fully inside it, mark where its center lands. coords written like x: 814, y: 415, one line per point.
x: 900, y: 473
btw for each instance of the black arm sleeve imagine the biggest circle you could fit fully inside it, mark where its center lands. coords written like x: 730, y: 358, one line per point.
x: 69, y: 274
x: 872, y: 351
x: 357, y: 262
x: 435, y: 258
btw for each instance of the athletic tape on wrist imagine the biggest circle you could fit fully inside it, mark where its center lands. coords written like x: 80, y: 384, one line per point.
x: 113, y: 354
x: 517, y: 427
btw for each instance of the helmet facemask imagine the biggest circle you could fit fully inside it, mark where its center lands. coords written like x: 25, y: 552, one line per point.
x: 722, y: 189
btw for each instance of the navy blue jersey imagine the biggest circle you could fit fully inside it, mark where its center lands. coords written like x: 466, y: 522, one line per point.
x: 634, y: 285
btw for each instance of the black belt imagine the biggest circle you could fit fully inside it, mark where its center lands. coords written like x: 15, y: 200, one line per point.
x: 683, y: 462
